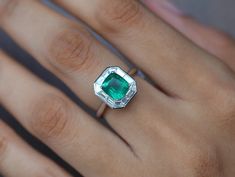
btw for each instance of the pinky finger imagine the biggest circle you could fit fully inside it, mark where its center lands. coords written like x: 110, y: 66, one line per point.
x: 212, y: 40
x: 19, y: 159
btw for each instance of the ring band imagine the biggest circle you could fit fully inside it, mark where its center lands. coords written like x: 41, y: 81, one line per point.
x: 115, y: 88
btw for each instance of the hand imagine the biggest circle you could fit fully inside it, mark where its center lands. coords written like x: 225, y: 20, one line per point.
x: 184, y: 129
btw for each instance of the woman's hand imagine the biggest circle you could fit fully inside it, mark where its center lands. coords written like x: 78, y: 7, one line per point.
x: 186, y: 129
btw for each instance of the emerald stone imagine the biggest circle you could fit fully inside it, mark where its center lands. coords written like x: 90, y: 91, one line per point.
x: 115, y: 86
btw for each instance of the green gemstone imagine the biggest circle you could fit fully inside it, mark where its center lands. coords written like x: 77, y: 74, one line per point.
x: 115, y: 86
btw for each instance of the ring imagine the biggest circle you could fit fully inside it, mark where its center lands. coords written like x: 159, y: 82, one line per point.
x: 115, y: 88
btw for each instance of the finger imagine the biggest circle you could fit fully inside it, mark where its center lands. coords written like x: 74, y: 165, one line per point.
x: 210, y: 39
x: 13, y: 150
x: 75, y: 57
x: 63, y: 47
x: 53, y: 118
x: 172, y: 60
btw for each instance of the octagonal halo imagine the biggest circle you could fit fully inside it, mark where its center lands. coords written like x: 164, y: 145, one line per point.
x: 115, y: 87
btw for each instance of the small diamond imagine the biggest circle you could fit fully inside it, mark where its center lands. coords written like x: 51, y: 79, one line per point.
x: 115, y: 87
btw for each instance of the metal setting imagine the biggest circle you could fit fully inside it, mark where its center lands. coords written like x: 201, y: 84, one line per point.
x: 115, y: 104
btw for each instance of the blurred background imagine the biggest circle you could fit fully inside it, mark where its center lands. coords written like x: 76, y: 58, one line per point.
x: 216, y: 13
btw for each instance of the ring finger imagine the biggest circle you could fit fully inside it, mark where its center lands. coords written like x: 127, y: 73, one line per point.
x: 69, y: 51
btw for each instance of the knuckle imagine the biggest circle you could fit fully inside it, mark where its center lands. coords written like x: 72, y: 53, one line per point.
x: 226, y: 109
x: 50, y: 117
x: 204, y: 161
x: 221, y: 91
x: 121, y: 14
x: 71, y: 50
x: 220, y: 101
x: 226, y: 101
x: 223, y: 98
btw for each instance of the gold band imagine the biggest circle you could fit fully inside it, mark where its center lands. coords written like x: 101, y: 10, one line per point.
x: 103, y: 107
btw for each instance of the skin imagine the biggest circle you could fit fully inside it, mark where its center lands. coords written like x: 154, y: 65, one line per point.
x: 186, y: 129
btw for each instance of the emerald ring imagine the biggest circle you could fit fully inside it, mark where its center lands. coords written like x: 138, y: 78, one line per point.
x: 115, y: 87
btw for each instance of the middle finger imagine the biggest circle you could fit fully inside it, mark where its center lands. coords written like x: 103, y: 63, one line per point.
x: 175, y: 63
